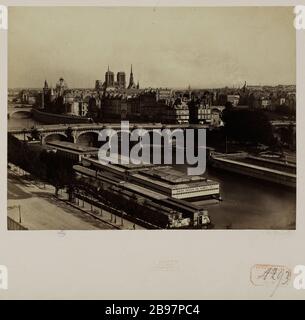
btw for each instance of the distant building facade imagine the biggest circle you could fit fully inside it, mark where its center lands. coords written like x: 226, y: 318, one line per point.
x: 119, y: 84
x: 116, y: 99
x: 62, y: 100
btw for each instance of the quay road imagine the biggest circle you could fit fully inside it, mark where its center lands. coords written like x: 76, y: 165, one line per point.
x: 93, y: 208
x: 41, y: 210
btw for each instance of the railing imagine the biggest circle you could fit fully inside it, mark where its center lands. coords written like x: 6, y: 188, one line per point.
x: 14, y: 225
x: 94, y: 126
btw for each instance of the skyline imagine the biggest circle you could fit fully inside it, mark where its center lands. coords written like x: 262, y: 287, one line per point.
x: 200, y: 47
x: 53, y: 85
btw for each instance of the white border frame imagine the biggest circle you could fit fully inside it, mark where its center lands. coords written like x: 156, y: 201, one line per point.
x: 116, y: 265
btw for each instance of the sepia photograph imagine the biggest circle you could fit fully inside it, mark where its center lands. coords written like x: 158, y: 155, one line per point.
x: 151, y: 118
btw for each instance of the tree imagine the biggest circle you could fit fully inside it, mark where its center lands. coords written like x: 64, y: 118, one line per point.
x: 285, y: 110
x: 228, y: 106
x: 59, y: 170
x: 248, y: 126
x: 35, y: 134
x: 287, y: 135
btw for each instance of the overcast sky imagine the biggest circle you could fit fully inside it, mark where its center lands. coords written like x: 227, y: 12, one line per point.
x: 168, y: 47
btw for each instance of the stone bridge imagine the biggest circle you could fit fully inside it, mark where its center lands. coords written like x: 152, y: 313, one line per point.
x: 282, y: 123
x: 284, y: 131
x: 279, y: 125
x: 19, y: 112
x: 84, y: 133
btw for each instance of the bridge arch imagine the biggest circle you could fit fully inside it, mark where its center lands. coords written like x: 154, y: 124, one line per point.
x: 20, y: 114
x: 88, y: 138
x: 55, y: 136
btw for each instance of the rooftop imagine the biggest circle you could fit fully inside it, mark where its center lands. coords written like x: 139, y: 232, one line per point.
x: 71, y: 146
x: 162, y: 176
x: 123, y: 162
x: 172, y: 176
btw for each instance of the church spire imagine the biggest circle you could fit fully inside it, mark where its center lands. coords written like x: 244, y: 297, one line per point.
x: 245, y: 86
x: 131, y: 80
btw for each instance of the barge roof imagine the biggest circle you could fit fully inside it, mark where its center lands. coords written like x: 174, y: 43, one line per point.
x: 70, y: 146
x: 248, y: 165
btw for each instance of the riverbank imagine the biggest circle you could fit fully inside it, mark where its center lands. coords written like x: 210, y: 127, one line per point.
x: 40, y: 209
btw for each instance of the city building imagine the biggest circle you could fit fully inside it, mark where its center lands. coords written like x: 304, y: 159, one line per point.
x: 62, y: 100
x: 120, y: 84
x: 109, y: 79
x: 234, y: 99
x: 121, y: 80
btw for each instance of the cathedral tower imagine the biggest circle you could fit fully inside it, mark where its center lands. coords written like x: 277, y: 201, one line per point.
x: 132, y: 84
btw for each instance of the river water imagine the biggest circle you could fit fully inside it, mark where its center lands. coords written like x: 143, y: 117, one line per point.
x: 251, y: 204
x: 21, y: 123
x: 247, y: 203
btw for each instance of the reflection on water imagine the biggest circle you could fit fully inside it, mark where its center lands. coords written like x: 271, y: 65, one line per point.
x: 247, y: 203
x: 251, y: 204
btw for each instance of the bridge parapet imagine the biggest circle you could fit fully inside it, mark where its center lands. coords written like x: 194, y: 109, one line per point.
x: 75, y: 131
x: 13, y: 111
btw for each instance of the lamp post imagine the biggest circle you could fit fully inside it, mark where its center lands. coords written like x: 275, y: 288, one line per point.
x: 19, y: 209
x: 226, y: 144
x: 122, y: 221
